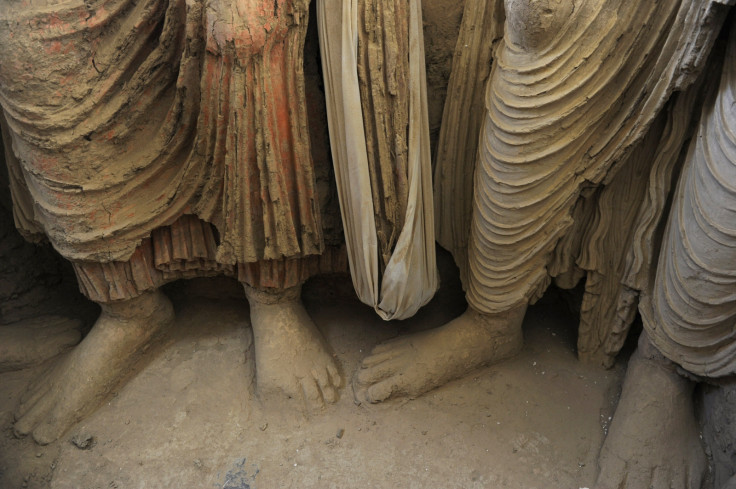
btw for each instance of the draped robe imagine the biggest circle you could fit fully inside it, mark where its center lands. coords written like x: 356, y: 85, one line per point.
x: 151, y: 139
x: 689, y: 312
x: 585, y: 111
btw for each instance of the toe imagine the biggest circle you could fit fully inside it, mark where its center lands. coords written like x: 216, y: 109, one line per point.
x: 32, y: 396
x: 311, y: 392
x: 335, y: 377
x: 359, y: 392
x: 329, y: 394
x: 381, y: 391
x: 320, y: 375
x: 28, y: 404
x: 376, y: 358
x: 66, y: 410
x: 376, y: 373
x: 24, y: 425
x: 42, y: 385
x: 50, y: 430
x: 323, y: 381
x: 31, y: 418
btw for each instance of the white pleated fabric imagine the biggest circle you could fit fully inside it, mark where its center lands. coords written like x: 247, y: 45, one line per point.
x: 410, y: 278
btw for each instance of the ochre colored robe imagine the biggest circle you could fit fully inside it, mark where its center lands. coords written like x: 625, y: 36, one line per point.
x: 152, y: 139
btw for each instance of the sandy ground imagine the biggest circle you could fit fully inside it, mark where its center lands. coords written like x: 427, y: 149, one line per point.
x: 187, y: 415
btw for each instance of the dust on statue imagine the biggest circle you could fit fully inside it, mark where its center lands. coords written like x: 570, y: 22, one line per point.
x: 151, y: 141
x: 589, y: 109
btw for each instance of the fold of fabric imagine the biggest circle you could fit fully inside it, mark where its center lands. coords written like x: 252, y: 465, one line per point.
x: 690, y: 311
x: 570, y: 97
x: 125, y: 115
x: 407, y: 279
x: 462, y: 118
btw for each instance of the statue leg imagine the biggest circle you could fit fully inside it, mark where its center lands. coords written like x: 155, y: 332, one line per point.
x: 292, y: 358
x: 719, y: 430
x: 75, y: 386
x: 653, y: 440
x: 688, y: 315
x: 488, y: 332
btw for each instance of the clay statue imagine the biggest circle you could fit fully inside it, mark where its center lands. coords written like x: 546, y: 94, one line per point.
x: 688, y: 313
x: 587, y: 108
x: 574, y: 100
x: 158, y: 140
x: 153, y: 141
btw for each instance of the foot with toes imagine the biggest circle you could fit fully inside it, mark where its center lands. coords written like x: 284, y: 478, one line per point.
x: 79, y: 382
x: 292, y: 358
x: 415, y: 364
x: 653, y: 441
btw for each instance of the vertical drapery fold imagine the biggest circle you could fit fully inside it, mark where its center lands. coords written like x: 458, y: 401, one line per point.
x: 363, y: 132
x: 689, y: 312
x: 139, y: 112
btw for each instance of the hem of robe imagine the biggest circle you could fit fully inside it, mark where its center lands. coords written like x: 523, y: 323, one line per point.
x: 171, y: 119
x: 187, y: 249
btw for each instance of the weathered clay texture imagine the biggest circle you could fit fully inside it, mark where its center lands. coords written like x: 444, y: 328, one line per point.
x: 153, y: 111
x: 161, y: 140
x: 690, y: 311
x: 383, y: 75
x: 463, y: 115
x: 575, y: 100
x: 375, y: 87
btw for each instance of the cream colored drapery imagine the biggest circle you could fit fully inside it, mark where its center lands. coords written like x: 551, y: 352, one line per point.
x: 410, y: 277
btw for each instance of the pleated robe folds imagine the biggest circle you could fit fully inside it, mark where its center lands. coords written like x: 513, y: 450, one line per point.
x: 151, y: 139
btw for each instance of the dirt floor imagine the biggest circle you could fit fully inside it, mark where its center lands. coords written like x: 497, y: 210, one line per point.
x: 187, y: 415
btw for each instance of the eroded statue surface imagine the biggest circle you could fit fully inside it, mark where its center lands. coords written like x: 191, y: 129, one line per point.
x: 150, y: 141
x: 171, y: 140
x: 585, y: 118
x: 688, y: 313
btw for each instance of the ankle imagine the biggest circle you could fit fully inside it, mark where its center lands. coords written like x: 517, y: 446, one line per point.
x: 144, y: 306
x: 504, y: 324
x: 272, y: 296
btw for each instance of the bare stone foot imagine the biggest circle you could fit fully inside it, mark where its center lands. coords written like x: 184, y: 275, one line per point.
x: 74, y: 387
x: 415, y: 364
x: 653, y: 441
x: 32, y: 341
x: 292, y: 359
